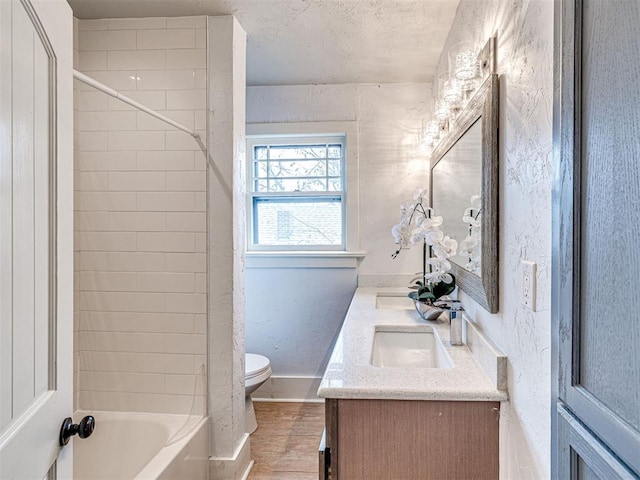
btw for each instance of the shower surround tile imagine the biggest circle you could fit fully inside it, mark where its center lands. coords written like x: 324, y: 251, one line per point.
x: 140, y: 217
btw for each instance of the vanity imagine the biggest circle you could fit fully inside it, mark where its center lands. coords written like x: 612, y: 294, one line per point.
x: 402, y: 403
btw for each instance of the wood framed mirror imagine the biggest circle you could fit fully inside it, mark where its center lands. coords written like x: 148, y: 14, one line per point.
x: 464, y: 191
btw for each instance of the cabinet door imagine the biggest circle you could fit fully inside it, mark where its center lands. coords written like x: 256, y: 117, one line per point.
x: 596, y: 232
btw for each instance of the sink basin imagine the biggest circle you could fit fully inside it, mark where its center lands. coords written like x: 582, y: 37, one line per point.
x: 393, y: 348
x: 394, y: 301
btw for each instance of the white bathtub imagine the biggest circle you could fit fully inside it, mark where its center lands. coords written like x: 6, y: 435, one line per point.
x: 137, y: 446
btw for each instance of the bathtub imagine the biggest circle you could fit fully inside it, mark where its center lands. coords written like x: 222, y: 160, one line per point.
x: 142, y: 446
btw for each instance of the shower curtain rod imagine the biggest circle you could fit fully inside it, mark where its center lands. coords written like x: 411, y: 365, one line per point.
x: 115, y: 94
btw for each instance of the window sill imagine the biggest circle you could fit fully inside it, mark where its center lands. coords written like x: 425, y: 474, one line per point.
x: 303, y: 259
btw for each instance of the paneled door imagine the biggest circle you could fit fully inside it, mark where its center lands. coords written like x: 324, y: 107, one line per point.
x: 596, y: 244
x: 36, y: 237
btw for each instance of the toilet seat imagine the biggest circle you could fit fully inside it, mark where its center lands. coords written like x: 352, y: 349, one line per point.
x: 255, y: 365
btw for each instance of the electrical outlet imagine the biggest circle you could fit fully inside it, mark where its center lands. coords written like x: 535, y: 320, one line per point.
x: 528, y: 284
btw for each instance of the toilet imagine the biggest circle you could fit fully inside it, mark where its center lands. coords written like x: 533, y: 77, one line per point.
x: 256, y: 371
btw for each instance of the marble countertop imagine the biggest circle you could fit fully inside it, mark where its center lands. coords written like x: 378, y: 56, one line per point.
x: 478, y: 373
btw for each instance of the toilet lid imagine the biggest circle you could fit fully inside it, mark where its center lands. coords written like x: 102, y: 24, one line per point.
x: 255, y: 365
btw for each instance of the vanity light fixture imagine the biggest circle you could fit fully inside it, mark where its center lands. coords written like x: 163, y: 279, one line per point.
x: 467, y: 70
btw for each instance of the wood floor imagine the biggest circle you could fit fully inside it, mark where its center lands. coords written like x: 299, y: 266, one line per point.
x: 285, y: 445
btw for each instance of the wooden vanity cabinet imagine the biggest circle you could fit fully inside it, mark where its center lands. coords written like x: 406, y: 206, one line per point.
x: 410, y: 439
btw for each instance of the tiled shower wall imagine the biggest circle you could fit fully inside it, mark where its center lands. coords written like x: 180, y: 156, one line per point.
x: 140, y: 216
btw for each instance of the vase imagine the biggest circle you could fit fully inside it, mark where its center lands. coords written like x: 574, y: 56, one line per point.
x: 426, y: 311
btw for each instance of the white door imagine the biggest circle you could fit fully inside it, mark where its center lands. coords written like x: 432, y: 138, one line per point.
x: 36, y: 235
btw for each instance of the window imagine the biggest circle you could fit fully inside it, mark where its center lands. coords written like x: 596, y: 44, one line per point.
x: 297, y: 192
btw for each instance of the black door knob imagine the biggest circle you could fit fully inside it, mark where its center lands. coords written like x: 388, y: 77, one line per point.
x: 84, y: 429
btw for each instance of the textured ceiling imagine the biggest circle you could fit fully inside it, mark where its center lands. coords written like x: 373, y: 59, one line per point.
x: 301, y: 42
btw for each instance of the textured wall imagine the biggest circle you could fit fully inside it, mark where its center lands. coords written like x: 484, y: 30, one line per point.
x: 524, y: 30
x: 296, y: 328
x: 140, y: 216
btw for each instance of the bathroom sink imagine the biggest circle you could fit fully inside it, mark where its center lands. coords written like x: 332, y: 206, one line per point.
x: 394, y: 301
x: 403, y: 348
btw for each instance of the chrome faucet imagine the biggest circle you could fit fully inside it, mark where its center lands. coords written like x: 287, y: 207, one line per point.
x: 455, y: 320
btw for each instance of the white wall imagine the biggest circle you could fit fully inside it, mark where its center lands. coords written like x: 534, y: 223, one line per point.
x: 294, y: 314
x: 524, y: 30
x: 140, y: 216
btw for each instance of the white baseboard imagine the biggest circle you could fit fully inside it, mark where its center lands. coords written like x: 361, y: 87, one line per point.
x: 289, y: 389
x: 233, y: 468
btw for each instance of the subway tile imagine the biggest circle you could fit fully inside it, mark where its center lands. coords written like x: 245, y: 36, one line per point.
x: 186, y: 181
x: 107, y: 241
x: 121, y: 80
x: 122, y: 342
x: 187, y: 22
x: 200, y: 201
x: 107, y: 40
x: 88, y: 261
x: 178, y: 343
x: 137, y: 181
x: 200, y: 119
x: 182, y: 384
x: 166, y: 363
x: 107, y: 281
x: 186, y: 262
x: 136, y: 262
x: 166, y: 283
x: 153, y: 99
x: 200, y: 160
x: 200, y: 323
x: 166, y: 201
x: 99, y: 24
x: 201, y: 38
x: 91, y: 221
x: 201, y: 242
x: 174, y: 160
x: 180, y: 38
x: 137, y: 221
x: 141, y: 402
x: 105, y: 201
x: 148, y: 122
x: 134, y: 302
x: 88, y: 101
x: 178, y: 140
x: 136, y: 59
x: 186, y: 222
x: 122, y: 382
x: 92, y: 181
x: 136, y: 23
x: 186, y: 302
x: 200, y: 283
x: 89, y: 61
x: 136, y: 141
x: 93, y: 300
x: 187, y: 99
x: 178, y: 59
x: 106, y: 161
x: 166, y: 79
x: 137, y: 322
x: 109, y: 121
x: 166, y: 242
x: 90, y: 141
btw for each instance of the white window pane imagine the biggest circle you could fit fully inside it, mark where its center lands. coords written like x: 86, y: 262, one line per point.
x: 298, y: 185
x: 261, y: 186
x: 334, y: 151
x: 295, y: 152
x: 260, y: 169
x: 286, y: 221
x: 335, y: 185
x: 300, y: 168
x: 335, y: 168
x: 260, y: 153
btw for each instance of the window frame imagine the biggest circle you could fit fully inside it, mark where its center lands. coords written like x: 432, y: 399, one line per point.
x: 308, y: 132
